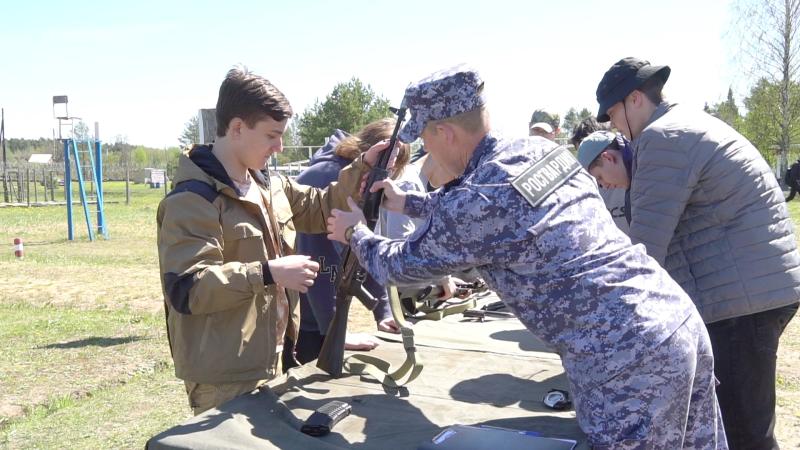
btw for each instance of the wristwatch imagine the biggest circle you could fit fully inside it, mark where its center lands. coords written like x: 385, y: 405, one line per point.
x: 348, y: 232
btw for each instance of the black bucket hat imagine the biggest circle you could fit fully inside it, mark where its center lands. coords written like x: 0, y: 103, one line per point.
x: 621, y: 79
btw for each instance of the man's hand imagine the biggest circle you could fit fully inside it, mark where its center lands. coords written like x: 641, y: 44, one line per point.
x: 394, y: 198
x: 450, y: 288
x: 388, y: 325
x: 340, y: 221
x: 295, y: 272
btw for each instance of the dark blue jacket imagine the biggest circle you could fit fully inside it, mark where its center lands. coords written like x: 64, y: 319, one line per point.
x: 318, y: 305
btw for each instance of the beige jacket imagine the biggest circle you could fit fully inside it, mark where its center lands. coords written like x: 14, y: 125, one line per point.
x: 222, y: 320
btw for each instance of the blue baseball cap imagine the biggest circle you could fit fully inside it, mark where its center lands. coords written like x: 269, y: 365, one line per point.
x: 621, y: 79
x: 443, y: 94
x: 593, y: 145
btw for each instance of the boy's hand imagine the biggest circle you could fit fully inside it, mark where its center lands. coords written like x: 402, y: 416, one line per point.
x: 360, y: 341
x: 340, y: 221
x: 295, y: 272
x: 371, y: 155
x: 389, y: 326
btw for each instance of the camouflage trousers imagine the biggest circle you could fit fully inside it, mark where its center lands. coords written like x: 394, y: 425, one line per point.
x: 667, y: 400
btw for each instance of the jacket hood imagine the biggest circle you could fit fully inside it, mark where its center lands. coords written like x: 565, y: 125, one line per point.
x: 327, y: 152
x: 199, y: 163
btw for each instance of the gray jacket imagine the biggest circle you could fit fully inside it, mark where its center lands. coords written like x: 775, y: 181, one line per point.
x: 707, y: 207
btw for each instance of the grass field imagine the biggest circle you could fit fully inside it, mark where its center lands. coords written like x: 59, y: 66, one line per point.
x: 85, y: 362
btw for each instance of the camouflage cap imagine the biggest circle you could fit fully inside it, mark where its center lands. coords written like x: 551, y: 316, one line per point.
x: 441, y: 95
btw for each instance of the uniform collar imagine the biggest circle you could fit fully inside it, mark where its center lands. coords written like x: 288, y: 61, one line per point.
x: 486, y: 144
x: 483, y: 148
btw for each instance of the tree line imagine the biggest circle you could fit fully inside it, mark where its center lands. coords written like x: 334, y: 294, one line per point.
x: 116, y: 153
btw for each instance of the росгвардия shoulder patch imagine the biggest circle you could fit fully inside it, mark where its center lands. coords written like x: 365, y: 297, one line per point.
x: 542, y: 178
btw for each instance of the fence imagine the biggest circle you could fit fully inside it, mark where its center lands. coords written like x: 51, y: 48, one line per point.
x: 40, y: 184
x: 293, y: 159
x: 31, y: 183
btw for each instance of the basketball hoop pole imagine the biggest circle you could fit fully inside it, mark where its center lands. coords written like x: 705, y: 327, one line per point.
x: 5, y: 161
x: 65, y: 119
x: 98, y: 177
x: 68, y: 189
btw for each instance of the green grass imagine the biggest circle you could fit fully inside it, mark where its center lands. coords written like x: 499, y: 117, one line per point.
x: 73, y: 351
x: 121, y: 271
x: 44, y: 231
x: 788, y: 382
x: 85, y: 361
x: 117, y: 416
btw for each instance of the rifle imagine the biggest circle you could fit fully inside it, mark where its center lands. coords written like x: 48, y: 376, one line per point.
x: 424, y: 303
x: 351, y: 280
x: 482, y: 314
x: 429, y: 296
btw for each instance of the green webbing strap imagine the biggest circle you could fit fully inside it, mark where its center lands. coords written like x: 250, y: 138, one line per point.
x: 359, y: 364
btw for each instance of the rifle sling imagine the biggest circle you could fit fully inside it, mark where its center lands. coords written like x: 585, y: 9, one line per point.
x: 362, y: 364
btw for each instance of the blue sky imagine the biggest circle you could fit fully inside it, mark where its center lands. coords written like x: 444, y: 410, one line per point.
x: 142, y: 68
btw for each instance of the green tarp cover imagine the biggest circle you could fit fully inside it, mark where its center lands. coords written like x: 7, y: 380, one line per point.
x: 493, y: 373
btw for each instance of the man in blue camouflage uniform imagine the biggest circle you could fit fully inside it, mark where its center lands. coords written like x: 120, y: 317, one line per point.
x: 530, y: 220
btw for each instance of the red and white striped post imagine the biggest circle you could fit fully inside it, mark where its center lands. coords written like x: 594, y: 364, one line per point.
x: 19, y: 249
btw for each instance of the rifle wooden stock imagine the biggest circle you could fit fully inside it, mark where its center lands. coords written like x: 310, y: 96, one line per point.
x: 351, y: 281
x: 331, y: 355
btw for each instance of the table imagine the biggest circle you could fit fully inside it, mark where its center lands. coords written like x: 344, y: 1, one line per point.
x: 493, y: 372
